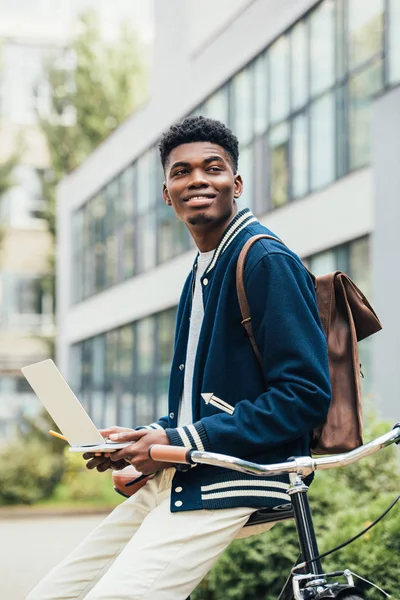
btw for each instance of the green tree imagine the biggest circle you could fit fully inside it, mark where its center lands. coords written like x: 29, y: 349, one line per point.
x: 90, y: 97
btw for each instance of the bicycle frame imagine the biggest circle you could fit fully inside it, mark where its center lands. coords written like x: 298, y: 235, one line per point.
x: 298, y: 469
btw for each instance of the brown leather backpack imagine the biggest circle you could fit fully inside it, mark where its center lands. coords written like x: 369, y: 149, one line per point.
x: 347, y: 318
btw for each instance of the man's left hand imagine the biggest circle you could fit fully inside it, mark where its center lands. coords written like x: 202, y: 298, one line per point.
x: 137, y: 453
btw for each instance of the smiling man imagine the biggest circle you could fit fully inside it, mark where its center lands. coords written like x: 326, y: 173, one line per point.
x: 161, y: 542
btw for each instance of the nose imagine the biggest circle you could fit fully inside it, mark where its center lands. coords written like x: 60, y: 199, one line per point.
x: 198, y: 179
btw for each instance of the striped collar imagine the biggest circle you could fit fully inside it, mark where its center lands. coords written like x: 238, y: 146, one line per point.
x: 241, y: 220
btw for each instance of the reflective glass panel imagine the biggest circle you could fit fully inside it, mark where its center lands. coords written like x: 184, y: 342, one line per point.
x: 260, y: 94
x: 359, y: 265
x: 146, y: 194
x: 322, y: 159
x: 279, y: 78
x: 322, y: 47
x: 166, y: 329
x: 299, y: 65
x: 322, y: 263
x: 365, y: 24
x: 242, y: 95
x: 126, y: 193
x: 362, y: 88
x: 145, y: 401
x: 246, y: 171
x: 300, y: 156
x: 145, y: 345
x: 147, y: 230
x: 128, y: 250
x: 279, y: 165
x: 217, y: 105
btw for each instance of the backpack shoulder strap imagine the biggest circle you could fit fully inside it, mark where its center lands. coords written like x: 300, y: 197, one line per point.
x: 241, y: 292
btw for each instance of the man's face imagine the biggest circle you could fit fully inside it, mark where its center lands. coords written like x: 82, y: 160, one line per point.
x: 200, y: 184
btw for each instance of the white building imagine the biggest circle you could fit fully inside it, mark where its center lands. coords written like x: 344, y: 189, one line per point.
x: 300, y: 83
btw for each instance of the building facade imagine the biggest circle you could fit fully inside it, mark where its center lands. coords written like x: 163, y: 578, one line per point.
x: 306, y: 86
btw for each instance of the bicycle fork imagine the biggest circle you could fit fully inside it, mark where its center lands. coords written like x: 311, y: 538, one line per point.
x: 315, y: 583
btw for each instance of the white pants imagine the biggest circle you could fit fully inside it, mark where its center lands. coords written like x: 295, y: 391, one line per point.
x: 142, y: 550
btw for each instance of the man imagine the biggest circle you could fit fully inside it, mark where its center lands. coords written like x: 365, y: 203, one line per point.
x: 161, y: 542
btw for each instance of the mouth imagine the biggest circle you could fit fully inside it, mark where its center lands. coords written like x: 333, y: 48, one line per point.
x: 201, y: 200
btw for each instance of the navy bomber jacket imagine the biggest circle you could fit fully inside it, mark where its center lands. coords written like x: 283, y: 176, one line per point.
x: 275, y: 410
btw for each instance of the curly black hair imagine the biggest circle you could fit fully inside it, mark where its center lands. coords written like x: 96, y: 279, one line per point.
x: 199, y: 129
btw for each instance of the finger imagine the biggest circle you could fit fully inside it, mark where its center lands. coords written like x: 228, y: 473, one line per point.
x: 128, y: 436
x: 95, y: 462
x: 107, y: 432
x: 104, y: 466
x: 117, y: 466
x: 124, y: 454
x: 88, y: 455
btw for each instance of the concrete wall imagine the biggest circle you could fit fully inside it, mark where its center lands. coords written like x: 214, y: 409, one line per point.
x: 385, y: 251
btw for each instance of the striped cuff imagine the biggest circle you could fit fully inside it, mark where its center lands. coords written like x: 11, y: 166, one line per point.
x: 159, y: 425
x: 191, y: 436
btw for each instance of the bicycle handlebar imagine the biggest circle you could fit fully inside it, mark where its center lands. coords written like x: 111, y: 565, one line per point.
x: 303, y: 465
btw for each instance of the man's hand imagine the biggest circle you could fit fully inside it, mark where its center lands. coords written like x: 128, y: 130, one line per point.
x: 137, y: 452
x: 102, y: 462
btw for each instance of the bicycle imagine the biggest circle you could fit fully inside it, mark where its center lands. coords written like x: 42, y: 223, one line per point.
x: 300, y: 585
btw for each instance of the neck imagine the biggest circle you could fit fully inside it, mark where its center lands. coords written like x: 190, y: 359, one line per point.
x: 206, y: 236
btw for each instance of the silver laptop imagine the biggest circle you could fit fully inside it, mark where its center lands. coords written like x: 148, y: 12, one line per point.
x: 65, y: 409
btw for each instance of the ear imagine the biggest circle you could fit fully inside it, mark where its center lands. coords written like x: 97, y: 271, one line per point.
x: 165, y: 195
x: 238, y: 186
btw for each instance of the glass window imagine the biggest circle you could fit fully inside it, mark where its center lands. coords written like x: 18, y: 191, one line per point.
x: 98, y: 214
x: 279, y: 79
x: 145, y: 345
x: 322, y: 129
x: 145, y: 401
x: 322, y: 263
x: 322, y: 47
x: 246, y: 171
x: 147, y: 237
x: 359, y: 263
x: 394, y: 41
x: 128, y: 250
x: 300, y: 156
x: 365, y: 25
x: 172, y: 235
x: 166, y: 329
x: 242, y: 95
x: 299, y: 65
x: 23, y: 91
x: 279, y: 175
x: 260, y: 94
x: 217, y: 105
x: 77, y: 259
x: 98, y: 380
x: 126, y: 193
x: 146, y: 195
x: 341, y: 132
x: 111, y: 371
x: 362, y: 88
x: 341, y: 47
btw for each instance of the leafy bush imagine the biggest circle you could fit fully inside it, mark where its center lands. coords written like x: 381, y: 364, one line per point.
x: 343, y: 501
x: 28, y: 472
x: 79, y: 485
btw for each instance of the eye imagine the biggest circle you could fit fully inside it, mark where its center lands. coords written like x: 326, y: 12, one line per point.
x: 180, y: 172
x: 214, y: 169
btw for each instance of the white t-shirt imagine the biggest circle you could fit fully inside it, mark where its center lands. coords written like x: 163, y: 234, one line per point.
x: 196, y: 319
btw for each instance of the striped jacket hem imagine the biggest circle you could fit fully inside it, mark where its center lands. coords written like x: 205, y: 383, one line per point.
x: 192, y: 436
